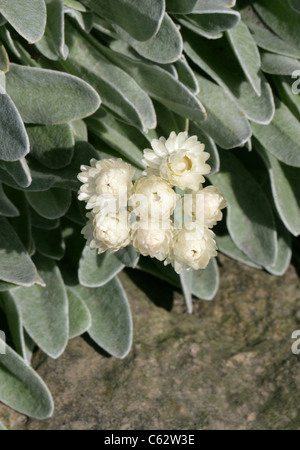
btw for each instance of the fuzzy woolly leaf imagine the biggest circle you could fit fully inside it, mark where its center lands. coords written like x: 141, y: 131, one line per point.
x: 227, y: 130
x: 14, y: 142
x: 52, y: 145
x: 44, y: 310
x: 49, y: 97
x: 247, y: 53
x: 282, y: 136
x: 140, y: 20
x: 15, y: 263
x: 111, y: 325
x: 21, y: 387
x: 285, y: 183
x: 27, y: 18
x: 50, y: 204
x: 52, y: 45
x: 164, y: 47
x: 79, y: 316
x: 210, y: 55
x: 96, y: 270
x: 250, y: 220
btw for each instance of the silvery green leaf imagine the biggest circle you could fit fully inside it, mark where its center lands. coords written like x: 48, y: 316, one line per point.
x: 228, y: 130
x: 27, y: 18
x: 247, y: 53
x: 79, y: 130
x: 52, y: 45
x: 210, y: 147
x: 16, y: 171
x: 44, y: 310
x: 215, y: 22
x: 164, y: 47
x: 65, y: 178
x: 21, y: 387
x: 227, y: 246
x: 285, y: 183
x: 111, y: 325
x: 4, y: 60
x: 200, y: 6
x: 160, y: 85
x: 119, y: 91
x: 96, y: 270
x: 13, y: 136
x: 51, y: 204
x: 186, y: 75
x: 210, y: 55
x: 7, y: 208
x: 264, y: 37
x: 282, y: 136
x: 140, y: 19
x: 15, y: 264
x: 52, y: 145
x: 278, y: 64
x: 280, y: 18
x: 193, y: 25
x: 205, y: 282
x: 186, y: 279
x: 49, y: 243
x: 250, y: 221
x: 2, y: 427
x: 123, y: 138
x: 284, y: 251
x: 49, y: 97
x: 80, y: 318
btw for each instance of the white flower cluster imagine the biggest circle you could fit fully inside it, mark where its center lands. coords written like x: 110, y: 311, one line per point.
x: 149, y: 214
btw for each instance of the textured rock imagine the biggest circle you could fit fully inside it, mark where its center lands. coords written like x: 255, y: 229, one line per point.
x: 227, y: 366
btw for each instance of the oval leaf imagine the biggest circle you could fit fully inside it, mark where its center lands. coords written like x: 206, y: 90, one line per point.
x: 15, y: 263
x: 111, y: 325
x: 27, y: 18
x: 21, y: 388
x: 51, y: 204
x: 49, y: 97
x: 14, y: 142
x: 250, y: 220
x: 44, y: 310
x: 96, y: 270
x: 79, y: 316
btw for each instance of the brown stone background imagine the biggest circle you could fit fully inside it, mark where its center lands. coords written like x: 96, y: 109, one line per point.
x: 227, y: 366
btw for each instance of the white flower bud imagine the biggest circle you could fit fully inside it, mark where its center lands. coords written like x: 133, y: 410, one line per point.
x: 105, y: 179
x: 180, y: 160
x: 153, y: 239
x: 152, y: 196
x: 106, y: 232
x: 204, y: 206
x: 192, y: 249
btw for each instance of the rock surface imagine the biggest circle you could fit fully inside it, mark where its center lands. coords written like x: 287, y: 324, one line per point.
x: 227, y: 366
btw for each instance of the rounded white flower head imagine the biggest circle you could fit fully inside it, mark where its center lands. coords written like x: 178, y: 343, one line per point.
x: 180, y: 159
x: 104, y: 179
x: 204, y: 206
x: 153, y: 239
x: 105, y: 232
x: 192, y: 249
x: 152, y: 196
